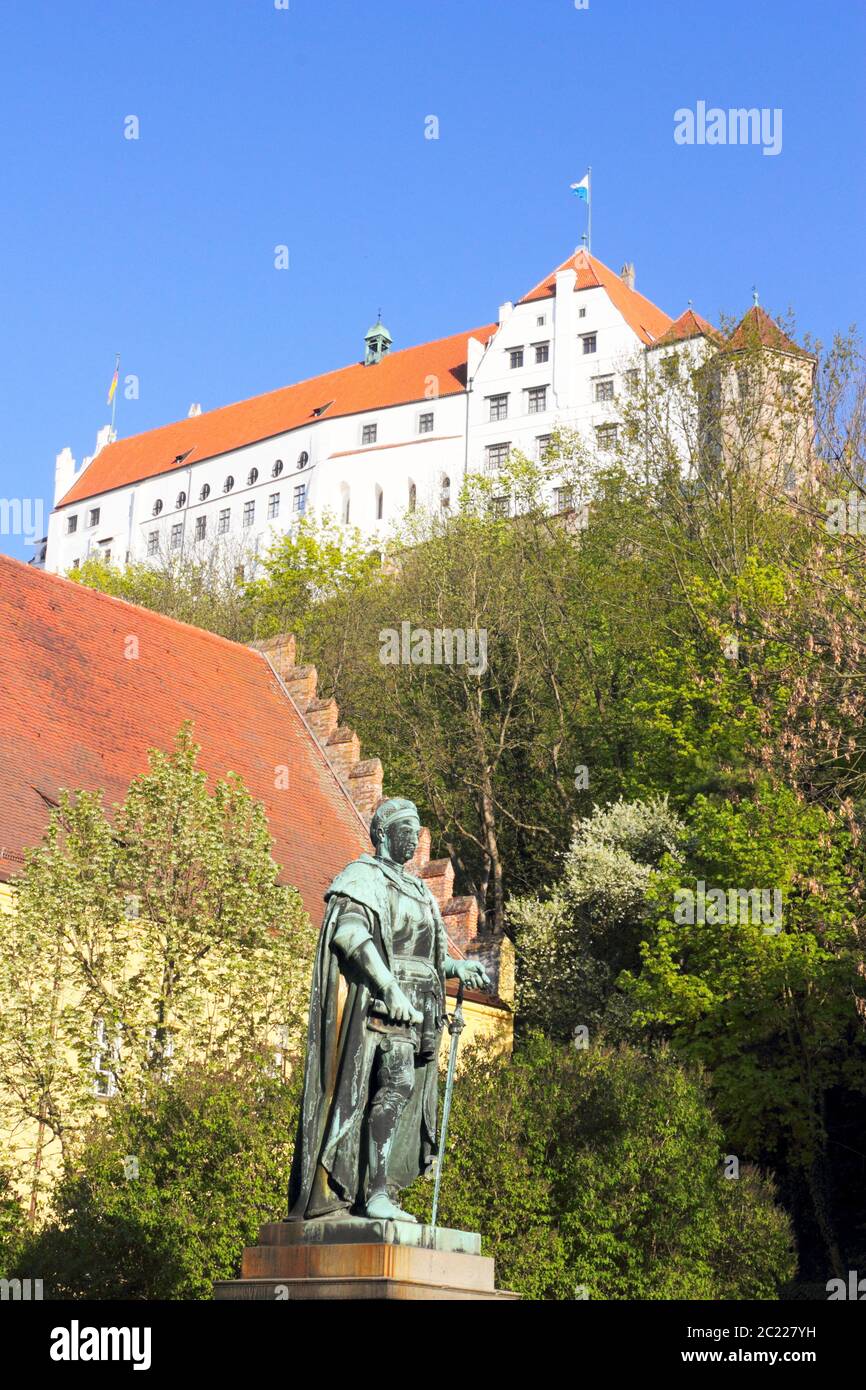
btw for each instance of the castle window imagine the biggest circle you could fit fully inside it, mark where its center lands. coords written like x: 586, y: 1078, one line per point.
x: 71, y: 525
x: 157, y: 506
x: 299, y: 501
x: 153, y: 542
x: 515, y: 357
x: 200, y: 527
x: 606, y: 437
x: 581, y: 313
x: 181, y: 501
x: 277, y: 468
x: 93, y: 517
x: 224, y: 521
x: 539, y: 322
x: 542, y: 446
x: 603, y: 388
x: 413, y: 497
x: 273, y: 505
x: 176, y: 535
x: 345, y: 504
x: 590, y: 343
x: 252, y: 476
x: 498, y: 407
x: 249, y: 513
x: 536, y: 400
x: 380, y: 503
x: 425, y: 422
x: 542, y: 353
x: 495, y: 456
x: 228, y: 484
x: 205, y: 492
x: 445, y: 492
x: 501, y: 506
x: 369, y: 434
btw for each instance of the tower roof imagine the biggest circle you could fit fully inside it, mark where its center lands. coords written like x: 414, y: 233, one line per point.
x: 757, y: 329
x: 645, y: 318
x: 688, y: 325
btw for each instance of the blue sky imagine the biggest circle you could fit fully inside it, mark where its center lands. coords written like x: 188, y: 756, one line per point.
x: 306, y: 127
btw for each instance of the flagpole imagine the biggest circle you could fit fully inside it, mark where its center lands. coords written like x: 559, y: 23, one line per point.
x: 589, y: 210
x: 114, y: 392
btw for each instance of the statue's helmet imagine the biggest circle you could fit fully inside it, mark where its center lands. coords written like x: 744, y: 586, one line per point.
x: 387, y: 813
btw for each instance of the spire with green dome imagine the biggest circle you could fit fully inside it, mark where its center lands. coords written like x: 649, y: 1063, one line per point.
x: 378, y: 341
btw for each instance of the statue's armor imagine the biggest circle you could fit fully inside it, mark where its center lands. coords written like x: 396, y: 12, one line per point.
x: 413, y: 962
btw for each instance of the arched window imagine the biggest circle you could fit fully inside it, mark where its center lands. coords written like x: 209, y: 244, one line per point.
x: 344, y: 504
x: 445, y: 492
x: 413, y: 497
x: 380, y: 502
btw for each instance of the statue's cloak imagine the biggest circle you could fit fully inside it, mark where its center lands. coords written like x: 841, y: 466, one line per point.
x: 329, y: 1160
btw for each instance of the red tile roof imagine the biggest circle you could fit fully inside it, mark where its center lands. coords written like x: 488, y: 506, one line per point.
x: 399, y: 378
x: 688, y: 325
x: 76, y: 713
x: 757, y: 329
x: 648, y: 321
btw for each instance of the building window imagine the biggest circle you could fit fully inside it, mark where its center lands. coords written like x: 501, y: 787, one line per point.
x: 249, y: 513
x: 205, y: 492
x: 153, y: 542
x: 277, y: 468
x: 299, y: 501
x: 542, y: 353
x: 75, y: 564
x: 542, y: 446
x: 742, y: 382
x: 181, y: 501
x: 515, y: 357
x: 369, y: 434
x: 200, y: 527
x: 106, y: 557
x: 157, y: 506
x: 224, y: 521
x: 581, y: 313
x: 104, y: 1054
x: 93, y: 517
x: 496, y: 455
x: 252, y: 476
x: 606, y: 437
x: 445, y: 492
x: 413, y: 497
x: 501, y: 506
x: 632, y: 379
x: 71, y: 525
x: 303, y: 458
x: 563, y: 499
x: 603, y: 388
x: 176, y: 535
x: 537, y: 400
x: 498, y: 407
x: 425, y: 422
x: 380, y: 502
x: 273, y: 505
x: 539, y: 322
x: 346, y: 507
x: 589, y: 343
x: 228, y: 484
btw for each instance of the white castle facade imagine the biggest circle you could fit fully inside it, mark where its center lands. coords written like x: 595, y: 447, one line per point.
x: 369, y: 442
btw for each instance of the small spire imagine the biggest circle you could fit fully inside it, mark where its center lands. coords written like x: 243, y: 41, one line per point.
x: 690, y: 304
x: 755, y: 295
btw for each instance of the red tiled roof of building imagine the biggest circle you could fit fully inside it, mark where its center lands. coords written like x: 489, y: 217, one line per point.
x: 644, y: 317
x: 399, y: 378
x: 756, y: 328
x: 688, y: 325
x: 76, y: 713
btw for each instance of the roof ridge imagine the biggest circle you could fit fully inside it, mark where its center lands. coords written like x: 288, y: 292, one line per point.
x: 98, y: 594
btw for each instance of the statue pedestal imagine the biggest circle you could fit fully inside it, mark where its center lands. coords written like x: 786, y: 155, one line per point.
x: 351, y: 1257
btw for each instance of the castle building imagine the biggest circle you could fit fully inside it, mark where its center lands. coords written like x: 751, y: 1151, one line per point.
x: 395, y: 431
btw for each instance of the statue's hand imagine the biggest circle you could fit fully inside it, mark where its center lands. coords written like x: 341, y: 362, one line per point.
x: 399, y: 1008
x: 473, y: 974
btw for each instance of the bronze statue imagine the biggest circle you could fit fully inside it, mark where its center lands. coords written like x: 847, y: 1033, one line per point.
x: 377, y: 1008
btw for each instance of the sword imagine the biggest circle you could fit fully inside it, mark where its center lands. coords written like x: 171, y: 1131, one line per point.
x: 455, y: 1024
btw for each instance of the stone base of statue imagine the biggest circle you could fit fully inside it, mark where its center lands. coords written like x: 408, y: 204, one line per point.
x: 352, y: 1257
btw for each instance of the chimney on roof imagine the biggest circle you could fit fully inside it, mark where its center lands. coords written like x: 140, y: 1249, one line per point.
x: 505, y: 311
x: 627, y: 275
x: 195, y: 409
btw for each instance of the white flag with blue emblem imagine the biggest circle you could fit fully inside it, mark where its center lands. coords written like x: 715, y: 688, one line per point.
x: 581, y: 190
